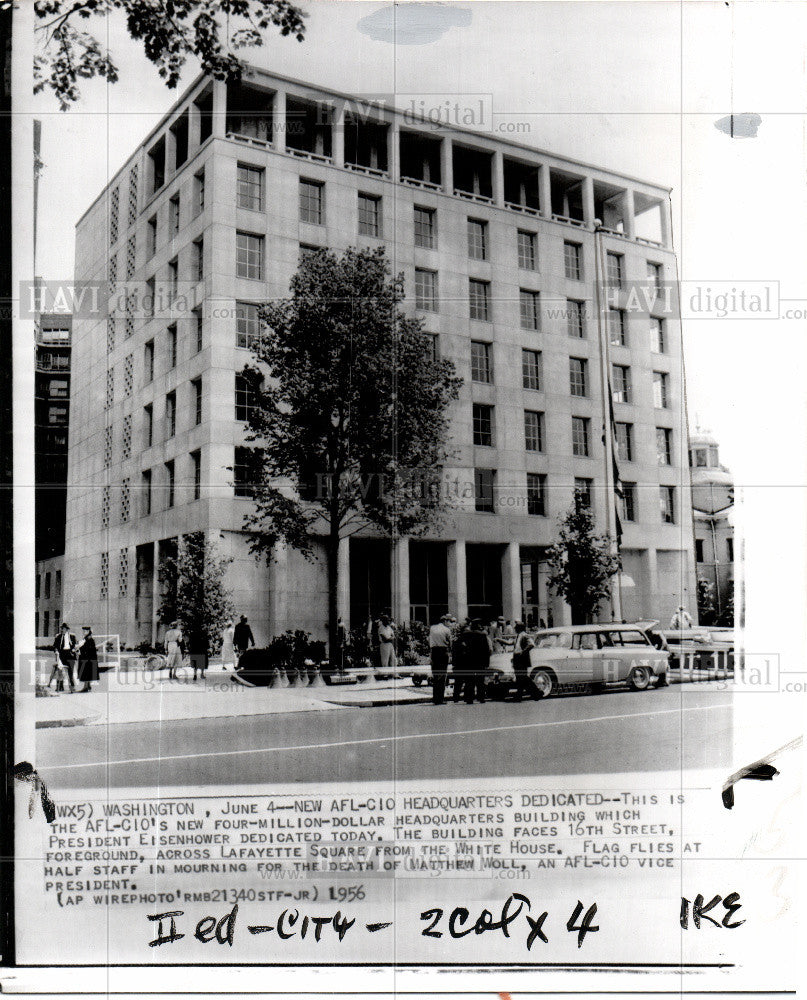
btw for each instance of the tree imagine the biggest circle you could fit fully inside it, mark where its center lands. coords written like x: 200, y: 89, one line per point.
x: 706, y: 602
x: 581, y: 564
x: 352, y: 426
x: 194, y: 588
x: 170, y: 31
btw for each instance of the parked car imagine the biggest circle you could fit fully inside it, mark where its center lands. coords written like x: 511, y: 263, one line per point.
x: 709, y: 648
x: 593, y: 655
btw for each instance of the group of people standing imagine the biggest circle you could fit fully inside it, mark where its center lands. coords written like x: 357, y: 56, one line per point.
x: 235, y: 640
x: 468, y: 651
x: 70, y: 654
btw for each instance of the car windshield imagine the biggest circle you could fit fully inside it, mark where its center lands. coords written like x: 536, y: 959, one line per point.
x: 554, y: 640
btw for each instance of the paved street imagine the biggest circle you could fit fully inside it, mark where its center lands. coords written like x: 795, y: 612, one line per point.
x: 683, y: 726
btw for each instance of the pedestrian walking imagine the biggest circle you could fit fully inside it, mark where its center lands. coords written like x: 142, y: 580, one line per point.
x: 386, y: 643
x: 173, y: 649
x: 478, y: 651
x: 521, y: 664
x: 242, y: 637
x: 227, y: 646
x: 87, y: 670
x: 439, y: 645
x: 64, y: 646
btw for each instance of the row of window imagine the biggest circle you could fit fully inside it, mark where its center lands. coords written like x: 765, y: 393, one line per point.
x: 700, y: 554
x: 43, y: 585
x: 175, y: 213
x: 48, y: 621
x: 484, y: 434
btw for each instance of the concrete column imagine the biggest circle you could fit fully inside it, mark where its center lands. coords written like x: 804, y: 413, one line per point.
x: 650, y: 583
x: 588, y: 202
x: 279, y: 593
x: 457, y: 580
x: 628, y: 215
x: 447, y: 165
x: 400, y: 580
x: 498, y: 178
x: 666, y: 224
x: 279, y: 120
x: 565, y: 613
x: 511, y: 582
x: 343, y: 592
x: 219, y: 108
x: 545, y: 186
x: 394, y: 150
x: 338, y: 136
x: 194, y: 127
x: 155, y: 592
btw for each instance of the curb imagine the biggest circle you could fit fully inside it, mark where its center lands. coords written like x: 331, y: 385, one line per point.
x: 66, y: 723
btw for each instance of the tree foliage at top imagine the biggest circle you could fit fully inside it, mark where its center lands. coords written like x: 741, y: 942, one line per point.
x: 581, y: 564
x: 353, y: 423
x: 171, y: 31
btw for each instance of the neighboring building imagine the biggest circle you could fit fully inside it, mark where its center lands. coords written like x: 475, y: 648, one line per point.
x: 497, y: 244
x: 713, y: 514
x: 52, y: 417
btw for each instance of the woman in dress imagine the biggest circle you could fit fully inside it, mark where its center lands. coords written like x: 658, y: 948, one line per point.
x: 173, y: 647
x: 227, y: 647
x: 87, y: 670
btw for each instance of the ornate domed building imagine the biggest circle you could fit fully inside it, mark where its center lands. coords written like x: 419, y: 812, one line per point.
x: 713, y: 518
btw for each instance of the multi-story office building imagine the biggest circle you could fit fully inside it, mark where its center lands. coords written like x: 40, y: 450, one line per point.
x: 497, y: 244
x: 713, y: 514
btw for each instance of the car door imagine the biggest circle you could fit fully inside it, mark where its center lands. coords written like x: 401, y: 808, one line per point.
x: 584, y: 662
x: 631, y: 648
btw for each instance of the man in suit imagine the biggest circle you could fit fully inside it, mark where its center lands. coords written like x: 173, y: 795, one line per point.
x: 478, y: 647
x: 64, y: 646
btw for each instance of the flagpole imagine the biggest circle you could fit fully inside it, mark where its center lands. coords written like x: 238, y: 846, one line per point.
x: 602, y: 334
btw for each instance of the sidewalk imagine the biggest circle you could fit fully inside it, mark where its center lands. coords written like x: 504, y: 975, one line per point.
x: 131, y: 696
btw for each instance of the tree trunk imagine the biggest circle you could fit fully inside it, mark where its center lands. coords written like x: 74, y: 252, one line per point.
x: 333, y: 590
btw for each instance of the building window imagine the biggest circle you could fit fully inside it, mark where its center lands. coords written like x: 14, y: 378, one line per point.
x: 580, y: 436
x: 196, y: 385
x: 170, y: 414
x: 244, y: 398
x: 247, y: 324
x: 145, y: 482
x: 426, y: 289
x: 107, y: 447
x: 148, y: 362
x: 730, y: 549
x: 667, y: 504
x: 169, y: 484
x: 173, y: 216
x: 38, y: 584
x: 199, y: 192
x: 132, y: 195
x: 425, y: 228
x: 483, y: 425
x: 58, y: 388
x: 529, y: 309
x: 531, y: 369
x: 664, y: 445
x: 249, y: 256
x: 655, y: 276
x: 628, y: 506
x: 312, y: 202
x: 199, y: 259
x: 701, y: 458
x: 479, y: 299
x: 110, y: 388
x: 624, y: 441
x: 433, y: 341
x: 527, y: 252
x: 369, y: 215
x: 57, y: 415
x: 105, y: 507
x: 113, y: 216
x: 173, y: 279
x: 152, y: 236
x: 583, y: 493
x: 149, y: 305
x: 621, y: 389
x: 484, y: 486
x: 616, y: 327
x: 578, y: 376
x: 534, y: 430
x: 127, y: 436
x: 661, y: 390
x: 477, y: 239
x: 104, y: 576
x: 125, y: 500
x: 128, y: 375
x: 250, y: 188
x: 481, y: 367
x: 198, y: 328
x: 573, y: 261
x: 657, y: 339
x: 131, y: 255
x: 699, y: 550
x: 242, y: 474
x: 536, y: 494
x: 172, y: 345
x: 196, y: 462
x: 55, y: 619
x: 613, y: 269
x: 574, y: 318
x: 47, y: 586
x: 148, y: 425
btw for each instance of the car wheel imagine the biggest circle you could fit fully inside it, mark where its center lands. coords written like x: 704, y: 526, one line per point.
x: 544, y: 682
x: 663, y: 680
x: 639, y: 679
